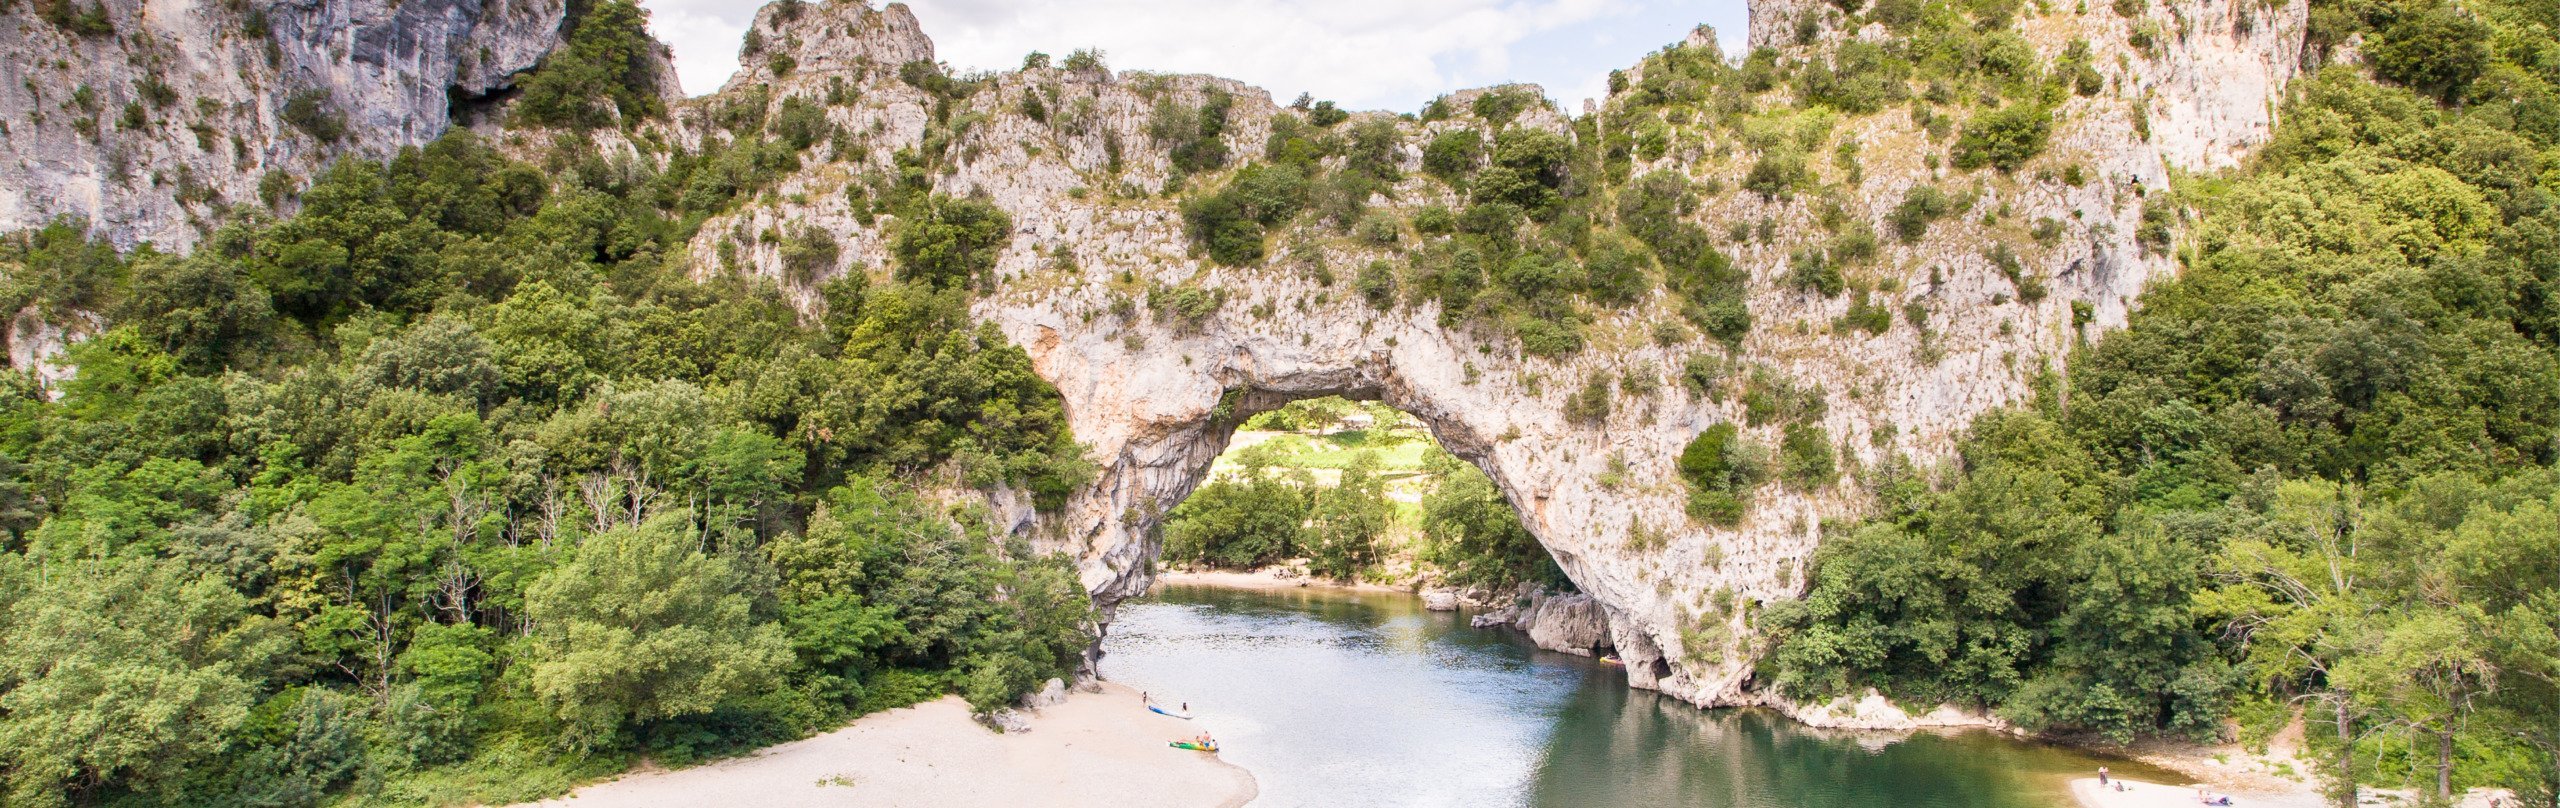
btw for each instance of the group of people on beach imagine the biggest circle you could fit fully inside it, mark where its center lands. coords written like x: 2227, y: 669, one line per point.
x: 1202, y: 739
x: 2203, y: 797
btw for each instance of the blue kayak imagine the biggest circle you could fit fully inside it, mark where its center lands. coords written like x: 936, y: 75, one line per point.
x: 1163, y: 711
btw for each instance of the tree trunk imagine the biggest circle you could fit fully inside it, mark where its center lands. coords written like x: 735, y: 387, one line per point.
x: 2346, y: 758
x: 2444, y: 766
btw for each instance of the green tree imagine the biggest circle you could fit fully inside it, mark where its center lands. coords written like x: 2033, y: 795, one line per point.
x: 1472, y: 532
x: 2434, y: 47
x: 642, y: 626
x: 602, y: 76
x: 124, y: 671
x: 1344, y: 527
x: 953, y: 243
x: 2004, y: 138
x: 1245, y: 523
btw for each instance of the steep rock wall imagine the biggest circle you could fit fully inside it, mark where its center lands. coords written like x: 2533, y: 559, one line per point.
x: 151, y: 116
x: 1156, y: 392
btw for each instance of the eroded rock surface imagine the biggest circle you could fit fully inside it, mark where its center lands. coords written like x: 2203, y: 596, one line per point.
x: 155, y: 115
x: 1155, y: 392
x: 1156, y: 389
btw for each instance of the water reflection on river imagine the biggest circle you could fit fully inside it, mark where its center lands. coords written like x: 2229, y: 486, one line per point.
x: 1341, y: 699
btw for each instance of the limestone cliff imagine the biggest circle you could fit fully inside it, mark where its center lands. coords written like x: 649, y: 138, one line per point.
x: 1098, y: 250
x: 1155, y: 391
x: 149, y: 118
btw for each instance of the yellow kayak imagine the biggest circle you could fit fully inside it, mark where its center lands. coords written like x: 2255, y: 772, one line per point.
x: 1211, y: 747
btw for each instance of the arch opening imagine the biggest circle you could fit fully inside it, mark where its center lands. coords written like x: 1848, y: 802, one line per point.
x: 1343, y: 487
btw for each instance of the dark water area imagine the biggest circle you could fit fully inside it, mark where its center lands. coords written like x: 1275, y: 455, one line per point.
x: 1334, y: 698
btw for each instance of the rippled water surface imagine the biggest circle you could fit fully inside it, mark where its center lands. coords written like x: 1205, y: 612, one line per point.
x: 1339, y: 699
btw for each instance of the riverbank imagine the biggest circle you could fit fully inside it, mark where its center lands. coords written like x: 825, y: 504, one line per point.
x: 1095, y: 749
x: 1265, y: 579
x: 2138, y: 794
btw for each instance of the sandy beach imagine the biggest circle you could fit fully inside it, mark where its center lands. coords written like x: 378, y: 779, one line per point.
x: 1262, y: 579
x: 1096, y: 749
x: 2153, y: 795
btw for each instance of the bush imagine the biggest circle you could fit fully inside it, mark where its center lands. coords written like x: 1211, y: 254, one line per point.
x: 312, y: 112
x: 1811, y: 271
x: 1196, y: 137
x: 1726, y: 317
x: 808, y: 255
x: 2439, y: 50
x: 1230, y: 224
x: 1324, y: 115
x: 1475, y: 535
x: 1377, y: 284
x: 1381, y: 229
x: 1590, y: 405
x: 2153, y: 233
x: 1920, y: 206
x: 1614, y: 271
x: 1239, y: 523
x: 1499, y: 106
x: 72, y: 18
x: 953, y: 242
x: 603, y: 72
x: 801, y: 123
x: 1776, y: 175
x: 1527, y: 169
x: 1720, y: 470
x: 1547, y: 338
x: 2004, y: 138
x: 1085, y: 60
x: 1805, y: 457
x: 1453, y: 154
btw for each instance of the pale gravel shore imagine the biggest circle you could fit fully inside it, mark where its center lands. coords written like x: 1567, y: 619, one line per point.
x: 2153, y: 795
x: 1097, y: 749
x: 1264, y: 579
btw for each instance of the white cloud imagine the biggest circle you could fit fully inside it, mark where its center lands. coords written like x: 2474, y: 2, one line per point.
x: 1364, y: 54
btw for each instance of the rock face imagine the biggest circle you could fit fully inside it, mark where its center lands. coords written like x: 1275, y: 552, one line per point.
x: 1573, y: 624
x: 1155, y: 390
x: 149, y: 116
x: 1873, y: 711
x: 159, y: 111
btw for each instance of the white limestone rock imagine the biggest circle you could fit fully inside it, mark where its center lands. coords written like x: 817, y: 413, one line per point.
x: 1155, y: 394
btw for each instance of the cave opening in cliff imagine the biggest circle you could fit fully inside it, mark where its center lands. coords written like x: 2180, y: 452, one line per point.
x: 1333, y: 489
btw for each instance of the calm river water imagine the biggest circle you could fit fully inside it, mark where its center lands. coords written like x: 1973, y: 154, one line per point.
x: 1342, y: 699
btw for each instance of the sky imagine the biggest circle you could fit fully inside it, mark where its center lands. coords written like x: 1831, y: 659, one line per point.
x: 1362, y: 54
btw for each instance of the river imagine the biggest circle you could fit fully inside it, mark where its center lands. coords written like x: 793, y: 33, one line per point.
x: 1335, y: 698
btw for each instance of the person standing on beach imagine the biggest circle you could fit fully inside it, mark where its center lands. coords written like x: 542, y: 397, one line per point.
x: 2102, y: 775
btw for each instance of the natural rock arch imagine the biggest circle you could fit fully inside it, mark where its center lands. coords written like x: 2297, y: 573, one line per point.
x: 1155, y: 390
x: 1144, y: 386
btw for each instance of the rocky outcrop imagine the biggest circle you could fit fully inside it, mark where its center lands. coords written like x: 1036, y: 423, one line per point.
x: 1873, y: 711
x: 150, y: 117
x: 1570, y: 623
x: 34, y: 340
x: 1155, y: 389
